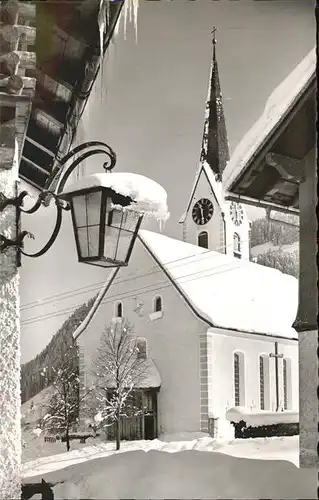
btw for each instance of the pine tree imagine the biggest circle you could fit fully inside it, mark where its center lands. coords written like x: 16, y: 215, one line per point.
x: 119, y: 367
x: 264, y: 231
x: 285, y: 262
x: 51, y: 356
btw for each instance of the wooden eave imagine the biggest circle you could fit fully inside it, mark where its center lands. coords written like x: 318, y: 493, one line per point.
x: 64, y: 71
x: 274, y: 172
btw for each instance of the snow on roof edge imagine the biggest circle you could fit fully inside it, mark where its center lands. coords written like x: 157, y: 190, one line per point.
x: 278, y: 103
x: 287, y: 332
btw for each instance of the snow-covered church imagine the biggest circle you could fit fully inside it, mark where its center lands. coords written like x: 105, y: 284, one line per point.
x: 215, y: 327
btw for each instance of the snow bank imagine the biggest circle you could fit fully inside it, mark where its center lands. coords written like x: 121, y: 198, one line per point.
x: 148, y: 196
x: 259, y: 418
x: 183, y: 475
x: 281, y: 448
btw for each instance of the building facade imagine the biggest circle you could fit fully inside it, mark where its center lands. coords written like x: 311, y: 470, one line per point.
x: 216, y: 327
x: 184, y: 302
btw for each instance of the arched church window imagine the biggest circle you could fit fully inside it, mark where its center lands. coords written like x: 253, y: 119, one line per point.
x: 239, y: 379
x: 264, y: 400
x: 262, y: 382
x: 119, y: 310
x: 158, y: 304
x: 203, y: 239
x: 141, y: 345
x: 237, y: 246
x: 286, y: 378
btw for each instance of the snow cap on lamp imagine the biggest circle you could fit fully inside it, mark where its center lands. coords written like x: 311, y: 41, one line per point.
x: 107, y: 211
x: 148, y: 197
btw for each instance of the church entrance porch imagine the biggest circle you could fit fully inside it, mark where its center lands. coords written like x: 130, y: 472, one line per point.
x: 140, y: 419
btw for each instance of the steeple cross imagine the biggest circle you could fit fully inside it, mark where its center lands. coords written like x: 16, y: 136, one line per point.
x: 213, y: 32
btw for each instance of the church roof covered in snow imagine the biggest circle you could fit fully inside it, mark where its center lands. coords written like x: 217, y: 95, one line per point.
x: 226, y: 292
x: 278, y: 106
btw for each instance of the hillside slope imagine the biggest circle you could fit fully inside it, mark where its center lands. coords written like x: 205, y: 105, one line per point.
x: 32, y: 382
x: 33, y: 445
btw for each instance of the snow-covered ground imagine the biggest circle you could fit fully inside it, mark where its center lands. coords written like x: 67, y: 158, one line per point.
x: 193, y: 468
x: 278, y: 448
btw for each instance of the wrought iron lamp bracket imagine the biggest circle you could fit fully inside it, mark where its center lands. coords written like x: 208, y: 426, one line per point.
x: 46, y: 196
x: 16, y: 202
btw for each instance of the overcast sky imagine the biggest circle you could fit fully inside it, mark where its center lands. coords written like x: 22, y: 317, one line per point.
x: 150, y: 108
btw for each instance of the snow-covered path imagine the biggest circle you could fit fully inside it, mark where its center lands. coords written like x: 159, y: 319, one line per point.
x: 194, y: 469
x: 279, y: 448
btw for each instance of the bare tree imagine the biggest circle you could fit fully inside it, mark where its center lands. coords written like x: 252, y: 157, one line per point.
x: 119, y: 369
x: 63, y: 406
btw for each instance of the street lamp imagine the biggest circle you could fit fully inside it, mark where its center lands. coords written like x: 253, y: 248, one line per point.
x: 107, y: 209
x: 104, y: 229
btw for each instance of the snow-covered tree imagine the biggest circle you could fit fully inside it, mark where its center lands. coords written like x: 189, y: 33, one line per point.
x: 264, y: 230
x: 119, y: 368
x: 63, y: 407
x: 286, y: 262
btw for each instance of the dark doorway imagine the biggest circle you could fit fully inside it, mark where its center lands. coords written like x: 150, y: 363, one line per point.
x: 142, y: 425
x: 149, y: 426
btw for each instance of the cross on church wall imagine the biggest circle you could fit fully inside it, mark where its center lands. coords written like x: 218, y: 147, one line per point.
x: 276, y: 355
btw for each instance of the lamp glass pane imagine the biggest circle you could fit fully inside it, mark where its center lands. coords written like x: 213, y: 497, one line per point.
x: 79, y: 207
x: 93, y: 203
x: 119, y: 234
x: 83, y: 242
x: 89, y: 241
x: 127, y: 220
x: 87, y: 209
x: 125, y: 241
x: 111, y: 242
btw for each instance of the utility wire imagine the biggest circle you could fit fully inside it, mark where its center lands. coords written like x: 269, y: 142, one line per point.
x: 95, y: 286
x: 133, y: 293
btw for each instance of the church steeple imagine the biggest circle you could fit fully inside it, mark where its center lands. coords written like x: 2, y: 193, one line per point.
x: 209, y: 220
x: 215, y: 150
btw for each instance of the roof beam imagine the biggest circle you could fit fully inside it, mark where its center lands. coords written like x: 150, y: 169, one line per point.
x: 261, y: 204
x: 35, y: 165
x: 10, y: 100
x: 40, y: 146
x: 291, y: 169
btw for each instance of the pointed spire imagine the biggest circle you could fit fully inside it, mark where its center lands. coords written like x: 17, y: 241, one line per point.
x: 215, y: 149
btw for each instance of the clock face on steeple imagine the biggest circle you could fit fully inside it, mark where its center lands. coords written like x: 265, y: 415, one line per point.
x: 202, y: 211
x: 236, y: 213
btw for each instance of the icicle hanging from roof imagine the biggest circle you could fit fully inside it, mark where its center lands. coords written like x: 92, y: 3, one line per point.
x: 130, y: 13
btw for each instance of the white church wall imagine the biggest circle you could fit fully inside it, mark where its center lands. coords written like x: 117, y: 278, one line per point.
x: 220, y: 228
x: 215, y: 227
x: 173, y: 338
x: 242, y: 230
x: 221, y: 395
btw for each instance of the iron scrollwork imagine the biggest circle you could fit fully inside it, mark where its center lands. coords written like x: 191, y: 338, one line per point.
x: 58, y: 180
